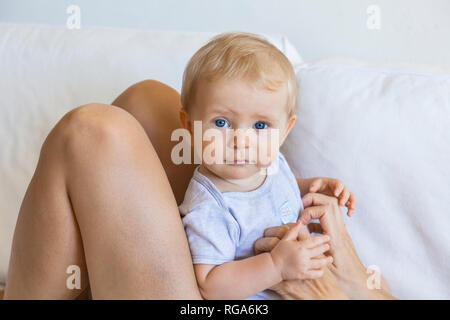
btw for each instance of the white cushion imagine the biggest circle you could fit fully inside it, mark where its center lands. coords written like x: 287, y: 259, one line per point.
x: 46, y: 71
x: 386, y: 135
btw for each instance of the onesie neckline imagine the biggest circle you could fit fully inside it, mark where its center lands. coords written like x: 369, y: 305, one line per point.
x: 261, y: 190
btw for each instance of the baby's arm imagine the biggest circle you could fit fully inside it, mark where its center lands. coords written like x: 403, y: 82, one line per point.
x: 304, y: 185
x: 289, y: 259
x: 237, y: 279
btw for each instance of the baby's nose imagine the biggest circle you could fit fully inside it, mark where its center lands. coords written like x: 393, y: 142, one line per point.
x: 241, y: 140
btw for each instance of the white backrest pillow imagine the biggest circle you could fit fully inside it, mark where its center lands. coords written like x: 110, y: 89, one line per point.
x: 386, y: 135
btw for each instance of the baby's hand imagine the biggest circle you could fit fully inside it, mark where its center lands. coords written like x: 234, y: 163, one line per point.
x: 300, y: 259
x: 335, y: 188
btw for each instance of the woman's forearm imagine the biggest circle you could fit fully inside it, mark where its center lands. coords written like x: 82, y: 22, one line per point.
x: 240, y: 279
x: 359, y: 290
x: 353, y: 275
x: 364, y: 293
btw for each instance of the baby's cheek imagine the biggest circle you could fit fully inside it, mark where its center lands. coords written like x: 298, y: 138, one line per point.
x: 213, y: 148
x: 266, y: 159
x: 267, y: 153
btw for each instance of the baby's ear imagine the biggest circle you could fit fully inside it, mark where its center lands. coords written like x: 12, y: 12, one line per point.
x: 184, y: 119
x: 290, y: 125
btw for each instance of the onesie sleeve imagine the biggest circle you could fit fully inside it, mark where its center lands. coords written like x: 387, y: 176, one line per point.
x: 212, y: 233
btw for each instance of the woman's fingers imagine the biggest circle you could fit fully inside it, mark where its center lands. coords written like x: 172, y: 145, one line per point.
x: 314, y: 274
x: 315, y: 241
x: 319, y: 263
x: 315, y: 212
x: 314, y: 252
x: 316, y: 199
x: 265, y: 244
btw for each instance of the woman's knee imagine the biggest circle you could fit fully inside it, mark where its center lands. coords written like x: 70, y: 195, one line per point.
x: 149, y: 97
x: 153, y: 89
x: 93, y: 126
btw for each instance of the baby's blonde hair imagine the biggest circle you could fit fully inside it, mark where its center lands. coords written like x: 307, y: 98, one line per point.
x: 239, y: 55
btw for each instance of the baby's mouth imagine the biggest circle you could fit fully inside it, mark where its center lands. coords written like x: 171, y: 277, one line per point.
x: 238, y: 162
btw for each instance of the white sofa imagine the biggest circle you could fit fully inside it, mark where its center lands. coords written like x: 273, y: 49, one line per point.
x: 383, y: 132
x: 47, y: 71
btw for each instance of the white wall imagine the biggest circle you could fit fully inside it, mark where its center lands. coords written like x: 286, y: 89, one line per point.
x: 412, y: 31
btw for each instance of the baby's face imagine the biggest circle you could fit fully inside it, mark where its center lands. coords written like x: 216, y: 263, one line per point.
x: 235, y: 104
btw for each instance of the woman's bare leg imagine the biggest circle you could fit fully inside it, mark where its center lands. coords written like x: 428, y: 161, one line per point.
x: 100, y: 189
x: 153, y: 103
x: 46, y: 238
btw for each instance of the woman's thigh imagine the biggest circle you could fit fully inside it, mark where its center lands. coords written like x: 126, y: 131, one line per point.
x: 123, y: 208
x: 46, y: 239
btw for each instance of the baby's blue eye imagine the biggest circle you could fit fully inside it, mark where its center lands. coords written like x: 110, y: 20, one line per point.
x: 221, y: 123
x: 260, y: 125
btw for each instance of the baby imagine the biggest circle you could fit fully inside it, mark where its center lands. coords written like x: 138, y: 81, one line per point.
x: 241, y: 81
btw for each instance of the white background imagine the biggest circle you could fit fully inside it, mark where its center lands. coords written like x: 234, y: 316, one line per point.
x: 412, y: 31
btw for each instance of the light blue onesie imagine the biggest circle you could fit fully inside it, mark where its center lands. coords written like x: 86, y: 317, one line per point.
x: 222, y: 227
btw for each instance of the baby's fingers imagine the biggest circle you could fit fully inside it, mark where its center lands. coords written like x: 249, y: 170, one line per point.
x: 320, y: 262
x: 265, y: 244
x: 316, y: 185
x: 314, y: 252
x: 343, y: 197
x: 351, y: 204
x: 316, y: 241
x: 336, y: 187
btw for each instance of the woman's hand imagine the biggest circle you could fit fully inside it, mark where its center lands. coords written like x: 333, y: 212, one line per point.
x: 326, y: 209
x: 323, y: 288
x: 346, y: 267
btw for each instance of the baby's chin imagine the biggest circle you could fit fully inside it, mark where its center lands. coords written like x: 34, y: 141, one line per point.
x: 234, y: 171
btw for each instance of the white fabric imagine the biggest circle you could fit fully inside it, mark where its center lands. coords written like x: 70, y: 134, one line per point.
x: 46, y: 71
x: 386, y: 135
